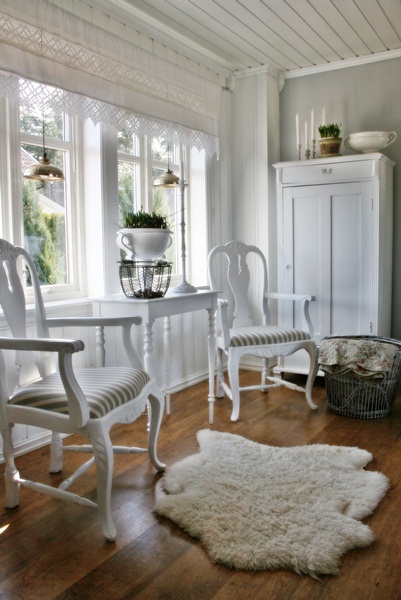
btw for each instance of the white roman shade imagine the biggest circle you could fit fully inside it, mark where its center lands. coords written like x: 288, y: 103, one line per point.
x: 103, y: 77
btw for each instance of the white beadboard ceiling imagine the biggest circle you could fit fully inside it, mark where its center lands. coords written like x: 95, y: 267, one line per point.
x: 287, y: 35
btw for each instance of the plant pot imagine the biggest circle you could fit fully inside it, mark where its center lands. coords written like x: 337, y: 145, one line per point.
x: 330, y: 146
x: 144, y: 244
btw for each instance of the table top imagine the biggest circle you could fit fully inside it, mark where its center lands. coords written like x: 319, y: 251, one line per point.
x: 151, y: 308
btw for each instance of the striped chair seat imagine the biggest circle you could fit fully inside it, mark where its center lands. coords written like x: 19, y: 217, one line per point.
x: 259, y: 336
x: 105, y: 389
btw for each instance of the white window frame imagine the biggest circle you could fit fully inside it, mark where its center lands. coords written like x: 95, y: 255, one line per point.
x: 12, y: 227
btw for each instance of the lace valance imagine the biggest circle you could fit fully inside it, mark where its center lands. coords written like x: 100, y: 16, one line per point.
x: 31, y: 94
x: 96, y: 75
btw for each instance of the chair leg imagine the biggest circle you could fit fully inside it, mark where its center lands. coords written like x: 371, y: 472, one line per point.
x: 313, y: 369
x: 11, y: 474
x: 103, y: 452
x: 56, y: 453
x: 265, y: 373
x: 219, y: 374
x: 156, y: 413
x: 233, y: 375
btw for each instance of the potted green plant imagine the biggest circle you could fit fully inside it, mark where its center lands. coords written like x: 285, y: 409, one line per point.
x: 144, y: 220
x: 330, y: 140
x: 145, y: 236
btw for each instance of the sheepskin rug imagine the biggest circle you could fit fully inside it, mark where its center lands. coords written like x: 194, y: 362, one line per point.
x: 262, y: 507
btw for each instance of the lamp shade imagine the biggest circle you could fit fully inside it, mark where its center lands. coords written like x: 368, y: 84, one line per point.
x: 168, y: 179
x: 44, y: 171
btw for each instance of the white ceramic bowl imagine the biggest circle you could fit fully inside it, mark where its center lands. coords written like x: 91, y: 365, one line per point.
x: 369, y: 141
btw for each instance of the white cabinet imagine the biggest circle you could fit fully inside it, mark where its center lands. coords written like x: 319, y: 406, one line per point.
x: 334, y: 219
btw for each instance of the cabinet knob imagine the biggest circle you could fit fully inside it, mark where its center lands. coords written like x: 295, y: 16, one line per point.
x: 326, y: 171
x: 288, y: 267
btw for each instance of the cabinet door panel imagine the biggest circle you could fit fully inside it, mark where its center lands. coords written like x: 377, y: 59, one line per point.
x: 327, y: 252
x: 306, y: 226
x: 351, y: 263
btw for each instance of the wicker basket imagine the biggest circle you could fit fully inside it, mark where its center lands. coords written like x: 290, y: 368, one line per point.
x: 353, y: 396
x: 144, y: 280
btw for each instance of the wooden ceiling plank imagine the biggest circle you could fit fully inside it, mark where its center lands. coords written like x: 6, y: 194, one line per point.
x: 358, y: 20
x: 339, y: 24
x: 323, y: 31
x: 273, y: 28
x: 299, y: 16
x: 226, y: 27
x: 270, y: 37
x: 392, y: 10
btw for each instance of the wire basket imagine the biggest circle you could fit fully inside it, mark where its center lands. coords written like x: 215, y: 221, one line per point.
x: 145, y: 280
x: 351, y: 395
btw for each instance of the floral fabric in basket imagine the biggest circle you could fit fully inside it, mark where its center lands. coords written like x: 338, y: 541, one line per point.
x: 364, y: 357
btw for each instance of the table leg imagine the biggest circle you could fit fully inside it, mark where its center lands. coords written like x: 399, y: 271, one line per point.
x: 167, y: 350
x: 148, y: 348
x: 148, y: 357
x: 211, y: 359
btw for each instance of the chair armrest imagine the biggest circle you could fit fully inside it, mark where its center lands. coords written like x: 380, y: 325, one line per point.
x: 222, y: 306
x: 304, y: 299
x: 78, y: 407
x: 100, y: 322
x: 41, y: 344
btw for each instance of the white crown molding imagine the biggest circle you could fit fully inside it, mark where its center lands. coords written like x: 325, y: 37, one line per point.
x: 343, y: 64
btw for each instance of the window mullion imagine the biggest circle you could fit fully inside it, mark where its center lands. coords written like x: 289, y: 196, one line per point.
x: 146, y: 174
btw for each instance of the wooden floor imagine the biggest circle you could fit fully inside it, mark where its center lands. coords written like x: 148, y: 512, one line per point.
x: 52, y: 550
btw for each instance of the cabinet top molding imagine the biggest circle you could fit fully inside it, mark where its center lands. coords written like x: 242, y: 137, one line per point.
x: 334, y: 160
x: 331, y: 170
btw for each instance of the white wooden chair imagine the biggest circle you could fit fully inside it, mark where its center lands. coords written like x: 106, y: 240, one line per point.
x: 244, y: 337
x: 70, y: 400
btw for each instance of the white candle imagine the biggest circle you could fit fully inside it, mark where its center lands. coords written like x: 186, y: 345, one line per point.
x: 297, y: 127
x: 312, y: 124
x: 306, y: 136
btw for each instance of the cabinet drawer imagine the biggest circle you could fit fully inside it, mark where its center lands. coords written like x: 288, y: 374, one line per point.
x: 327, y: 172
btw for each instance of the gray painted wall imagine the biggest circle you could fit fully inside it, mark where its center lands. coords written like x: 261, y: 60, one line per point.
x: 362, y: 98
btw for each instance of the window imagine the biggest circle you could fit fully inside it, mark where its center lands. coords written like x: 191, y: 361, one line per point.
x: 43, y: 217
x: 136, y: 175
x: 46, y: 205
x: 166, y: 200
x: 129, y: 174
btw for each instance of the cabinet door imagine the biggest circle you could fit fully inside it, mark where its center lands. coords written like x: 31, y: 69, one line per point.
x: 328, y: 252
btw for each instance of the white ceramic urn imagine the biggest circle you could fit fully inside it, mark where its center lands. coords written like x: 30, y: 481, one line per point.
x: 144, y: 244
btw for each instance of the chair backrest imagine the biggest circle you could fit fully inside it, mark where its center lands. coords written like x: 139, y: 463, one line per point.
x: 15, y: 263
x: 239, y: 277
